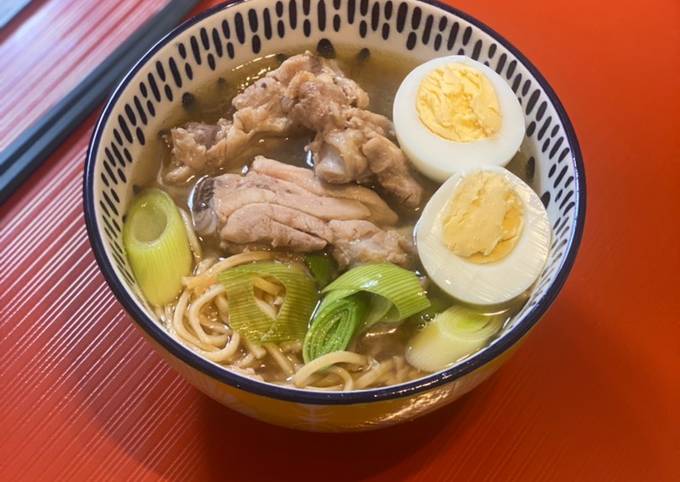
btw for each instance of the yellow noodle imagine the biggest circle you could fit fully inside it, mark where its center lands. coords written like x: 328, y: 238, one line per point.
x: 256, y: 350
x: 225, y: 353
x: 300, y: 378
x: 280, y: 358
x: 267, y: 286
x: 293, y: 346
x: 178, y: 322
x: 191, y: 235
x: 210, y: 276
x: 222, y: 306
x: 374, y: 374
x: 345, y: 375
x: 195, y: 321
x: 204, y: 265
x: 218, y: 327
x: 266, y: 308
x: 323, y: 379
x: 246, y: 360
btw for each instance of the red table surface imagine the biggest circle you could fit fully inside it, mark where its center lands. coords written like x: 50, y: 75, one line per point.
x: 593, y: 394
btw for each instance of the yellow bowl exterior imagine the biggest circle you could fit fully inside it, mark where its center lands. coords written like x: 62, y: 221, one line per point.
x: 332, y: 417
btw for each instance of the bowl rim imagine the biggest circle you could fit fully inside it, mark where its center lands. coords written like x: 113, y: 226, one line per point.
x: 186, y: 355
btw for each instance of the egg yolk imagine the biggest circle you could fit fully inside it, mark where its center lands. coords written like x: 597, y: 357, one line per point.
x: 458, y: 103
x: 484, y: 219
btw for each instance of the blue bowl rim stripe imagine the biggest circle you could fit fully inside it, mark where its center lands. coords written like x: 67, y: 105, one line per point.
x: 300, y: 395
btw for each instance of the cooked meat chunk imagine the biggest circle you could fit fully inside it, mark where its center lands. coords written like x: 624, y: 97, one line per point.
x: 197, y: 146
x: 362, y: 150
x: 277, y: 226
x: 262, y: 109
x: 381, y: 213
x: 341, y: 147
x: 305, y: 92
x: 364, y: 242
x: 233, y: 192
x: 390, y: 166
x: 339, y: 158
x: 297, y: 213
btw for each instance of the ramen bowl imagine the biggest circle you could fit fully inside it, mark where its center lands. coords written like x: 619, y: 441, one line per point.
x: 199, y: 51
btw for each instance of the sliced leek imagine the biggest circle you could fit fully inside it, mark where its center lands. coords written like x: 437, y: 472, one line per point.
x: 361, y: 297
x: 323, y: 268
x: 400, y: 289
x: 451, y: 336
x: 157, y: 246
x: 258, y: 321
x: 335, y: 323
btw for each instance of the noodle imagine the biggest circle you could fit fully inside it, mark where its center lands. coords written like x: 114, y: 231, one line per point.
x: 256, y: 350
x: 226, y: 352
x: 246, y: 360
x: 205, y: 279
x: 267, y: 286
x: 204, y: 265
x: 374, y: 374
x: 223, y: 307
x: 300, y: 378
x: 218, y: 327
x: 280, y: 358
x: 178, y: 322
x: 345, y: 375
x: 294, y: 346
x: 221, y: 345
x: 266, y: 308
x: 191, y: 235
x: 194, y: 312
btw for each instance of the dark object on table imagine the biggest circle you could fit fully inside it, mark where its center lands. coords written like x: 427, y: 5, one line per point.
x: 37, y: 142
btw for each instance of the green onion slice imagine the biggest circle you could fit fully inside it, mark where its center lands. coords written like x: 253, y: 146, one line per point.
x: 336, y: 321
x: 450, y: 336
x: 157, y: 246
x: 399, y: 291
x: 356, y: 300
x: 246, y: 314
x: 323, y: 268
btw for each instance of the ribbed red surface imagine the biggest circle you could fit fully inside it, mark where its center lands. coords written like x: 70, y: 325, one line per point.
x: 592, y: 395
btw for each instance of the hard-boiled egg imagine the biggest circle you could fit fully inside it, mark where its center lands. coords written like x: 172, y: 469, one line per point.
x: 484, y: 236
x: 454, y: 113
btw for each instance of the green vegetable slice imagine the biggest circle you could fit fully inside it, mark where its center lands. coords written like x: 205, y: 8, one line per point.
x: 336, y: 321
x: 323, y: 268
x: 157, y: 246
x: 450, y: 336
x: 359, y: 298
x: 403, y: 295
x: 245, y: 313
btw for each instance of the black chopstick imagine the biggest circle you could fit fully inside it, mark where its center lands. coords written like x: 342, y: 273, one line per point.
x: 39, y: 140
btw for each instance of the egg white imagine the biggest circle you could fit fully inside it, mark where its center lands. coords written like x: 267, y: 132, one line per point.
x: 492, y: 283
x: 437, y: 157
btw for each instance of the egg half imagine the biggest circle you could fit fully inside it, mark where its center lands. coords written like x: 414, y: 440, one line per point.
x: 454, y: 113
x: 484, y: 236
